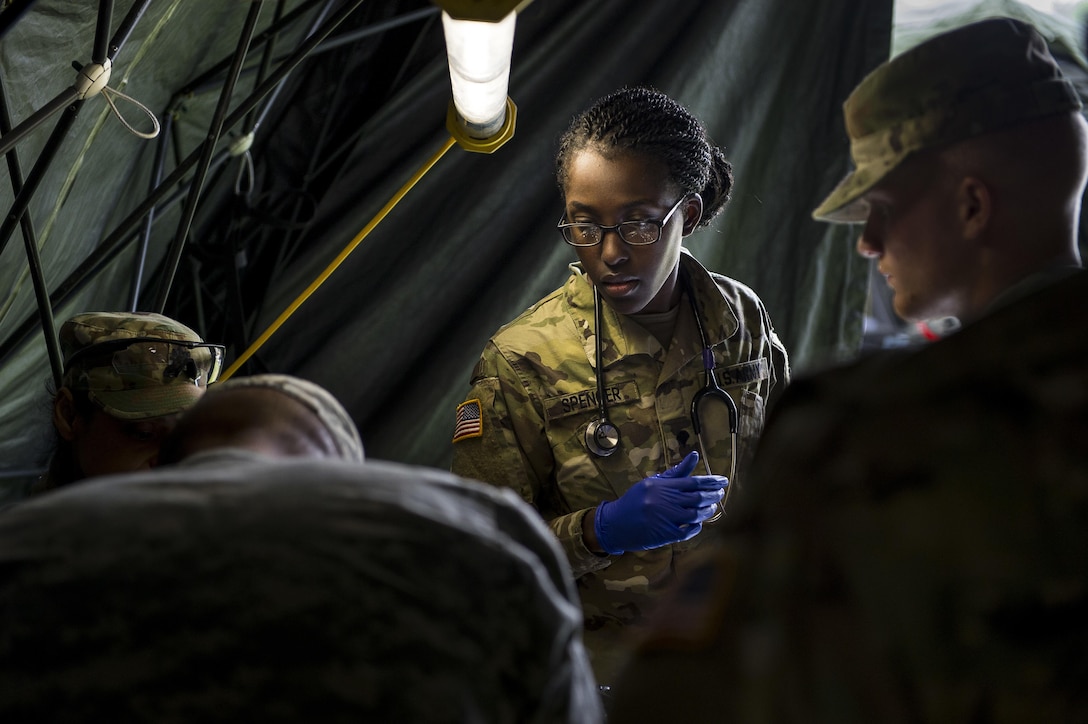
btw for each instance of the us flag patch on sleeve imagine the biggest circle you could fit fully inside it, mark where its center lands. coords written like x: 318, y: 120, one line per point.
x: 470, y: 422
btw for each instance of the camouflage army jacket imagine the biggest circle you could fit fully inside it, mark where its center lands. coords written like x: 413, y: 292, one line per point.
x: 536, y: 391
x: 911, y: 549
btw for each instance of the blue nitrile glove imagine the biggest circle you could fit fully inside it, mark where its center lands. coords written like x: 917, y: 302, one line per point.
x: 666, y: 508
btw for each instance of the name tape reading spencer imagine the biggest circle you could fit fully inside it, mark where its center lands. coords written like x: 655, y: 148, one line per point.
x: 579, y: 402
x: 588, y: 398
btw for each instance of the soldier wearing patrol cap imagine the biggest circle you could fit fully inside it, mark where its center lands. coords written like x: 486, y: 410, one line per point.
x: 127, y: 376
x: 968, y: 169
x: 913, y: 546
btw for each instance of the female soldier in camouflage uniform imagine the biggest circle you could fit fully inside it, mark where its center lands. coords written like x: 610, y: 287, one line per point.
x: 638, y: 174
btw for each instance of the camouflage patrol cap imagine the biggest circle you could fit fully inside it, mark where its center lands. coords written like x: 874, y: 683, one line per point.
x: 979, y: 78
x: 138, y: 382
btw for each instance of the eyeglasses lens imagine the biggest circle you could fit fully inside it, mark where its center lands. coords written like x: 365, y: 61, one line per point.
x: 166, y: 362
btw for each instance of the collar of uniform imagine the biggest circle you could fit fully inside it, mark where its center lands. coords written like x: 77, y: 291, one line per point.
x: 719, y: 320
x: 1031, y: 284
x: 223, y: 457
x: 614, y: 343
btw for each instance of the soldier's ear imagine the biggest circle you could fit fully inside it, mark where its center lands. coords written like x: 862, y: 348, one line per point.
x: 975, y: 206
x: 65, y: 417
x: 693, y: 213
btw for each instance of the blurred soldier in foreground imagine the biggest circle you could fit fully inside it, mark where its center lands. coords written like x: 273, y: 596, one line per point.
x: 914, y: 544
x: 272, y: 576
x: 127, y: 377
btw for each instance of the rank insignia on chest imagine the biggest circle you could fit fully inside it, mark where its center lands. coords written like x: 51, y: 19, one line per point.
x: 469, y: 422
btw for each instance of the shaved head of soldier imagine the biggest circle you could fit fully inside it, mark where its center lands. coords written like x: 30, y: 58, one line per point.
x: 274, y: 415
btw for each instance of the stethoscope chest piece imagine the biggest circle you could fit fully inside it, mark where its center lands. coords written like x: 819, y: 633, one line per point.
x: 602, y: 437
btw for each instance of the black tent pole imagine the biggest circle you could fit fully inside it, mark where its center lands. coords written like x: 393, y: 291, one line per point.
x: 114, y: 243
x: 215, y: 129
x: 102, y: 31
x: 209, y: 78
x: 258, y: 118
x: 120, y: 37
x: 297, y: 208
x: 107, y: 250
x: 101, y: 256
x: 37, y: 118
x: 15, y: 216
x: 124, y: 30
x: 45, y: 158
x: 249, y: 128
x: 41, y: 291
x: 24, y: 193
x: 149, y: 221
x: 376, y: 28
x: 262, y: 69
x: 10, y: 14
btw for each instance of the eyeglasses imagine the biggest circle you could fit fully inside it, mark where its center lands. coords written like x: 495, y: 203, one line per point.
x: 635, y: 233
x: 156, y: 359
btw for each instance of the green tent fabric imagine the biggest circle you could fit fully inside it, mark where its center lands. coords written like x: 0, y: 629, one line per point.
x: 474, y: 244
x: 395, y: 330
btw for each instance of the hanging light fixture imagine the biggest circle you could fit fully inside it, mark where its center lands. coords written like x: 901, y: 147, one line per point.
x: 479, y: 42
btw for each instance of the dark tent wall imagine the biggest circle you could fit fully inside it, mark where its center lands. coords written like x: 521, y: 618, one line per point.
x: 395, y: 331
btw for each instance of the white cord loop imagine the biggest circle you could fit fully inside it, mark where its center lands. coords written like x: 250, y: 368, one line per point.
x: 241, y: 144
x: 109, y: 94
x: 94, y: 79
x: 244, y: 181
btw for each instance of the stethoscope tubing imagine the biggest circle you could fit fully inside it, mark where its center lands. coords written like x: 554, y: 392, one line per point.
x: 602, y: 437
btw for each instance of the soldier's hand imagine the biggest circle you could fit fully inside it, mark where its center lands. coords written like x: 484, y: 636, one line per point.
x: 662, y: 509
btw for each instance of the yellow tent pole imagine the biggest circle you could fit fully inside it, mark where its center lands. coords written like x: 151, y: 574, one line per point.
x: 337, y: 261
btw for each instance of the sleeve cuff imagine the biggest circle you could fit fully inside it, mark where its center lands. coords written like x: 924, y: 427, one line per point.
x: 568, y: 529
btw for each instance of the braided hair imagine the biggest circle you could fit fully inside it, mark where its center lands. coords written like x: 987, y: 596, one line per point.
x: 647, y: 122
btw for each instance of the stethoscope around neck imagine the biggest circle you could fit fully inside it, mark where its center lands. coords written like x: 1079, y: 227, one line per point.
x: 603, y: 438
